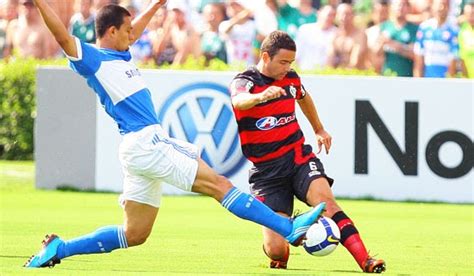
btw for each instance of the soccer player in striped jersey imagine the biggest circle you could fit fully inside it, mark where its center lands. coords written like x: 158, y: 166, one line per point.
x: 263, y: 98
x: 148, y: 155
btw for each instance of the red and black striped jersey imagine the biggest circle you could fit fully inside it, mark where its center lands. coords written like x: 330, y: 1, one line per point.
x: 270, y: 129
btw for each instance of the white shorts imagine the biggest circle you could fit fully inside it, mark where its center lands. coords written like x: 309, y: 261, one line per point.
x: 149, y: 157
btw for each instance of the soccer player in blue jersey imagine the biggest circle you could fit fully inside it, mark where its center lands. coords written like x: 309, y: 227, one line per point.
x: 147, y: 154
x: 436, y: 47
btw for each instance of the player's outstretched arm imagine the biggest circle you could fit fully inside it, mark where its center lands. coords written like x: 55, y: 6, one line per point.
x: 57, y: 28
x: 140, y: 22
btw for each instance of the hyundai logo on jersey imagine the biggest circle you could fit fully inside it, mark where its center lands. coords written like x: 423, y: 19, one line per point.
x: 267, y: 123
x: 201, y: 113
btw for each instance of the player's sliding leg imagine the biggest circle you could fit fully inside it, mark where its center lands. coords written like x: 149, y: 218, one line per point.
x: 319, y: 191
x: 247, y: 207
x: 139, y: 219
x: 276, y: 248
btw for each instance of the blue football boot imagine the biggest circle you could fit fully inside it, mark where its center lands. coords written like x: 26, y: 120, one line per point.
x: 301, y: 224
x: 47, y: 257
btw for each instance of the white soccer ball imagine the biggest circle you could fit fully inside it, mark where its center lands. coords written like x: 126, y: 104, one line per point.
x: 322, y: 237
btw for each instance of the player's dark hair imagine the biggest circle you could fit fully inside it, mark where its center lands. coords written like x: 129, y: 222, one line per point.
x: 275, y: 41
x: 108, y: 16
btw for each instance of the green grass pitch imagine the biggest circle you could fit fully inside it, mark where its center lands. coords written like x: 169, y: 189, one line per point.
x: 194, y: 235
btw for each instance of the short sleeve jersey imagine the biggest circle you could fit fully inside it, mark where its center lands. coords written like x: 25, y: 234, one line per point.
x: 83, y: 29
x: 118, y: 83
x: 270, y: 129
x: 395, y: 62
x: 438, y: 45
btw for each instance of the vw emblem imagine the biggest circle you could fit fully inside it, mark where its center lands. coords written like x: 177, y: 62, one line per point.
x: 201, y: 113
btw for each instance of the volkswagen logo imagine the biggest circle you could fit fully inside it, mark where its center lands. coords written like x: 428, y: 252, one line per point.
x: 201, y: 113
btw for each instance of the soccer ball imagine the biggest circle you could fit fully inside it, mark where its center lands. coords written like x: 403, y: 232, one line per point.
x: 322, y: 237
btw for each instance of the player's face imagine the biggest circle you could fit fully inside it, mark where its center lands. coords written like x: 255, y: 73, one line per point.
x: 123, y: 35
x: 278, y: 66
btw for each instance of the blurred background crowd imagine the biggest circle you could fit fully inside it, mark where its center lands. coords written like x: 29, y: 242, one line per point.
x: 423, y: 38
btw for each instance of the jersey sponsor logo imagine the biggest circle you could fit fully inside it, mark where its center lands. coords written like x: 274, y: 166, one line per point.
x: 201, y: 113
x: 132, y: 73
x: 267, y: 123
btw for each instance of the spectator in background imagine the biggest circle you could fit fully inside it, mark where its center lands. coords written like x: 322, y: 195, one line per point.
x: 64, y: 9
x: 98, y: 4
x: 212, y: 45
x: 177, y: 30
x: 397, y: 40
x: 8, y: 12
x: 379, y: 16
x: 349, y: 47
x: 163, y: 51
x: 29, y: 36
x: 82, y: 23
x: 142, y: 49
x: 239, y: 32
x: 436, y: 46
x: 290, y: 18
x: 420, y: 10
x: 466, y: 40
x: 313, y: 40
x: 10, y: 9
x: 265, y: 16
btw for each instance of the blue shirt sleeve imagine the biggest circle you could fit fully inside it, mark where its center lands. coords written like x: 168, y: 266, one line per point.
x: 88, y: 59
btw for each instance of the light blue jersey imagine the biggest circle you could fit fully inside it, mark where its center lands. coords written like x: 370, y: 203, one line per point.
x: 438, y: 45
x: 118, y: 83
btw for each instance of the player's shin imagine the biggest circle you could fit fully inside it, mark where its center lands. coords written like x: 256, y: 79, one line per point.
x: 103, y: 240
x: 247, y: 207
x: 350, y: 238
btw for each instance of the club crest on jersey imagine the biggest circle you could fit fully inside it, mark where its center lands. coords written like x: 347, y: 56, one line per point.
x: 267, y: 123
x: 293, y: 91
x: 249, y: 86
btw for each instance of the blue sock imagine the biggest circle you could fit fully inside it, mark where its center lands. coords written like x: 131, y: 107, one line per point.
x: 103, y: 240
x: 247, y: 207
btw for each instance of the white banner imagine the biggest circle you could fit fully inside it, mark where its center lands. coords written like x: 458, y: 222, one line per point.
x: 393, y: 138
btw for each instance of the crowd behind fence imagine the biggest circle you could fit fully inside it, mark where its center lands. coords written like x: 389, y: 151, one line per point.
x: 421, y: 38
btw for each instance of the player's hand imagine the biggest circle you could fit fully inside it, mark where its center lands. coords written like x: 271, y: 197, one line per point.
x: 324, y: 139
x: 271, y: 93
